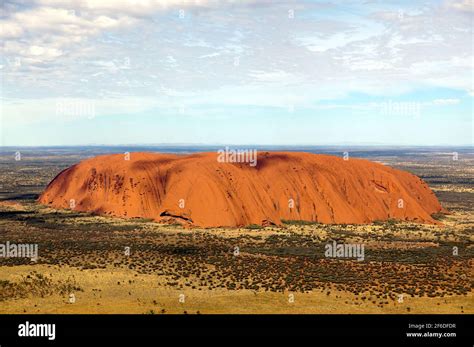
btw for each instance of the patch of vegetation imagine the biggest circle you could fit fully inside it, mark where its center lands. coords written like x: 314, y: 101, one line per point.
x: 142, y: 220
x: 253, y: 227
x: 298, y: 222
x: 36, y: 284
x: 438, y: 216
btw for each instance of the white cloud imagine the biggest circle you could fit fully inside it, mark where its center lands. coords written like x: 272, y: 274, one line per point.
x: 210, y: 55
x: 323, y: 43
x: 273, y: 76
x: 461, y: 5
x: 10, y: 30
x: 49, y: 53
x: 444, y: 102
x: 44, y: 33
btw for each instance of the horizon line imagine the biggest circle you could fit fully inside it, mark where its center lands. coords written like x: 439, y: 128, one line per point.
x: 236, y: 145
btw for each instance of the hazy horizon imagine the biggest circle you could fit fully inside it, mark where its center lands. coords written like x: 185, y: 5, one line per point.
x: 212, y: 146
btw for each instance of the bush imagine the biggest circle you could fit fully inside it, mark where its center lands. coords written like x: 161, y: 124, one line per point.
x: 438, y: 216
x: 253, y: 226
x: 298, y: 222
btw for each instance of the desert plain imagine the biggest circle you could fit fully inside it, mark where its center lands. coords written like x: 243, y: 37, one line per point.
x: 89, y: 263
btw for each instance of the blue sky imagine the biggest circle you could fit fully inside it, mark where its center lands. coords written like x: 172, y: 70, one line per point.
x: 228, y: 72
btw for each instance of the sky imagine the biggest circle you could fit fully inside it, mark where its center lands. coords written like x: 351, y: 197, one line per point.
x: 236, y: 72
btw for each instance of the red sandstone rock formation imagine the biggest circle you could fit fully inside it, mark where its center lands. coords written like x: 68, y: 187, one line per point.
x: 199, y: 190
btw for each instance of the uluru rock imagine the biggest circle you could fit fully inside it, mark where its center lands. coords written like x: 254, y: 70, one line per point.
x: 199, y: 190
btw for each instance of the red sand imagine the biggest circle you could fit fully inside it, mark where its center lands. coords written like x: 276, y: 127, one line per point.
x: 324, y: 188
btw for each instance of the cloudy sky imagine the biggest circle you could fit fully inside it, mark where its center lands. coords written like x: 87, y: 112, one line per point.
x: 236, y: 72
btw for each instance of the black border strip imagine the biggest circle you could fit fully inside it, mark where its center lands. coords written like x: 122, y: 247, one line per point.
x: 123, y: 328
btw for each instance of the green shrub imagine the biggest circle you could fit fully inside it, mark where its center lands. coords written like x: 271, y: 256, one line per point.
x: 253, y: 226
x: 298, y: 222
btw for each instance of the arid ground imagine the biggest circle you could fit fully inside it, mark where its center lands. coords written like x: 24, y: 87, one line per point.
x: 93, y: 264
